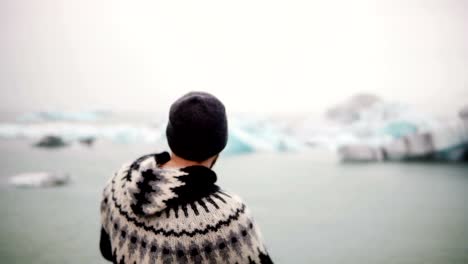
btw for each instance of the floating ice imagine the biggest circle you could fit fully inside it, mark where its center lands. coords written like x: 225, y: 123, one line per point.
x: 245, y: 136
x: 370, y: 129
x: 64, y: 116
x: 39, y: 179
x: 400, y: 129
x: 364, y: 126
x: 252, y: 135
x: 122, y: 133
x: 51, y: 142
x: 360, y: 153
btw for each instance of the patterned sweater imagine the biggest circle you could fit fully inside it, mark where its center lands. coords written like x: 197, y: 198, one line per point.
x: 151, y: 214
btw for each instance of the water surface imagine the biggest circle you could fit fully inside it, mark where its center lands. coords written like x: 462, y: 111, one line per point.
x: 310, y: 208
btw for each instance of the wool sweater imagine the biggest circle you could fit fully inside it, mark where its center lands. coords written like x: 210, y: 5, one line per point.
x: 151, y: 214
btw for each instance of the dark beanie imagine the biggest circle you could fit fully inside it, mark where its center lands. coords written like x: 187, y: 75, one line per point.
x: 197, y: 127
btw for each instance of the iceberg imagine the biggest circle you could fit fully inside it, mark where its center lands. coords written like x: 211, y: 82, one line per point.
x: 253, y: 135
x: 413, y: 146
x: 368, y: 128
x: 43, y: 116
x: 399, y: 129
x: 70, y: 132
x: 236, y: 146
x: 246, y: 135
x: 448, y: 143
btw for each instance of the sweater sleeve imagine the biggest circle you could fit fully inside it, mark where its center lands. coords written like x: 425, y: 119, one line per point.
x: 105, y: 245
x: 259, y: 245
x: 262, y: 251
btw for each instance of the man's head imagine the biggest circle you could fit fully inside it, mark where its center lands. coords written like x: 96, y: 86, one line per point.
x: 197, y: 129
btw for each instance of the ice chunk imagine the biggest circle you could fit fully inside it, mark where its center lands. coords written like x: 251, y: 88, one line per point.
x: 63, y: 116
x: 420, y: 144
x: 360, y: 153
x: 51, y: 142
x: 68, y: 132
x: 236, y: 146
x: 39, y: 179
x: 87, y: 141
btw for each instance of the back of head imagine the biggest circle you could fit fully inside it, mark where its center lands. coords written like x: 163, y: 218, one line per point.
x: 197, y: 127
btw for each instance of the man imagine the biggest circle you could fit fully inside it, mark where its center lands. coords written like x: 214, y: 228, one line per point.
x: 165, y: 208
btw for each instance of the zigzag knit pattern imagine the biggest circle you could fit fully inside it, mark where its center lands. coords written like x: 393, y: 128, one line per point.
x: 155, y: 215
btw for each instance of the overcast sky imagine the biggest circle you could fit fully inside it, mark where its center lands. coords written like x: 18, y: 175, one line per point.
x: 263, y: 56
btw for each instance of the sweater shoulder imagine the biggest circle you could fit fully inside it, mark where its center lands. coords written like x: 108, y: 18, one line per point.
x: 233, y: 197
x: 237, y: 203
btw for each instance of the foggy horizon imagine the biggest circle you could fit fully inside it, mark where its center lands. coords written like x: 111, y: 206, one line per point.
x: 299, y: 57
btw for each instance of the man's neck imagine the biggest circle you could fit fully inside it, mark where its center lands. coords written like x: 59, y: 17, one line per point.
x: 177, y: 162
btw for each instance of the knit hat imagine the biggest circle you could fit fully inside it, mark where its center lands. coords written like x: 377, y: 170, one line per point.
x: 197, y: 127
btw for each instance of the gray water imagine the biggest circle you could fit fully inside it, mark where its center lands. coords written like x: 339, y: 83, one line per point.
x: 310, y: 208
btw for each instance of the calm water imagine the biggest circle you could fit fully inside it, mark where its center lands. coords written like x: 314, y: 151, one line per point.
x: 310, y: 208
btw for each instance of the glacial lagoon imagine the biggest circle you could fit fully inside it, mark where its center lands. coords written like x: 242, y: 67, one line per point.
x: 310, y: 207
